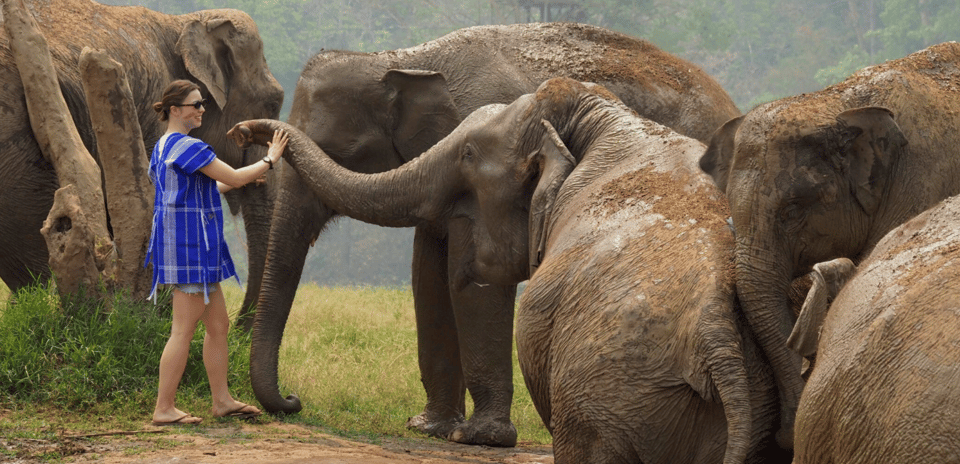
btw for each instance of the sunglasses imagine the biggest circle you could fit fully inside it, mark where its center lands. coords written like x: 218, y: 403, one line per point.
x: 197, y: 104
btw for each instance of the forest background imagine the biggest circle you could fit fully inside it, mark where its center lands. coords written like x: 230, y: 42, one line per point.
x: 758, y: 50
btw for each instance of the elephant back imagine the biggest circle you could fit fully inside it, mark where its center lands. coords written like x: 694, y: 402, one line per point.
x: 893, y: 327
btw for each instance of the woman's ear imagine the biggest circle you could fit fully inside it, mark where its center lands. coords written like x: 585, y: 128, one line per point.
x: 555, y: 164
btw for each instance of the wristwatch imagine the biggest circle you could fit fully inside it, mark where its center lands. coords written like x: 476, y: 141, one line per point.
x: 266, y: 159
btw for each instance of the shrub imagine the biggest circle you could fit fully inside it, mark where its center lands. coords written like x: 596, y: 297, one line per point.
x: 81, y: 357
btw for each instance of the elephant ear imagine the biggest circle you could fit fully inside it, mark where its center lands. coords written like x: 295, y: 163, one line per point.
x: 870, y: 140
x: 828, y: 278
x: 555, y: 163
x: 422, y: 110
x: 719, y: 155
x: 201, y: 46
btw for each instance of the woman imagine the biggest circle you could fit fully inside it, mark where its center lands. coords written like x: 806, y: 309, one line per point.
x: 187, y: 248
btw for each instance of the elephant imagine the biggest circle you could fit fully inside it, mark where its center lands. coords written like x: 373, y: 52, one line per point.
x: 221, y: 50
x: 824, y: 175
x: 627, y: 332
x: 372, y: 112
x: 885, y: 387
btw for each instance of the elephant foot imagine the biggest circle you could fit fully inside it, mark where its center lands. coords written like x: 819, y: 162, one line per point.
x: 487, y: 433
x: 434, y: 428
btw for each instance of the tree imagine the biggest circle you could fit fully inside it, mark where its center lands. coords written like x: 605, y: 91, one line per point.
x: 83, y: 256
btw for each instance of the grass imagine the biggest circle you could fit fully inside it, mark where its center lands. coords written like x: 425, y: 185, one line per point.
x: 349, y: 354
x: 351, y: 357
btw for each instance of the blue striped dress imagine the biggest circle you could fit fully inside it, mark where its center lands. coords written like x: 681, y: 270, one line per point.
x: 186, y: 244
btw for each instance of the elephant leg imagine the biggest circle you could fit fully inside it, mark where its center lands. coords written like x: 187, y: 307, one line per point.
x: 28, y: 184
x: 298, y: 219
x: 438, y: 347
x: 484, y: 316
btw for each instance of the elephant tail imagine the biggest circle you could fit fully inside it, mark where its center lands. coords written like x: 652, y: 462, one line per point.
x: 723, y: 350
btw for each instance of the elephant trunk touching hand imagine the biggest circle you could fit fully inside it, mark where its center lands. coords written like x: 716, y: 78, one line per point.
x: 372, y: 112
x: 826, y: 175
x: 627, y: 332
x: 221, y: 50
x: 886, y: 383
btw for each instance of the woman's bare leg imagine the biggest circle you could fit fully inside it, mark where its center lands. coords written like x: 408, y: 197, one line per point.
x: 187, y: 310
x: 215, y: 356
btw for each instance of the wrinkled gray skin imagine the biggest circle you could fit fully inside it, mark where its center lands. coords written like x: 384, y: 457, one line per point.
x: 825, y: 175
x: 885, y: 385
x: 219, y: 49
x: 627, y: 334
x: 374, y: 112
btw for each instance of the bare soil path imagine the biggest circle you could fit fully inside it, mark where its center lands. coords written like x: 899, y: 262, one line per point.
x: 259, y: 443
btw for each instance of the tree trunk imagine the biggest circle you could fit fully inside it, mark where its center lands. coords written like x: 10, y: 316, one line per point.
x: 76, y: 228
x: 125, y: 164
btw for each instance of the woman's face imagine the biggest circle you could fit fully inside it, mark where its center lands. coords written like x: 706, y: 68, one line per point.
x: 188, y: 113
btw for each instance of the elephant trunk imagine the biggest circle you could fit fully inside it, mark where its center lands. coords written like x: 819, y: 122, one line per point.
x: 269, y: 322
x: 763, y: 283
x: 397, y: 198
x: 297, y: 219
x: 257, y: 210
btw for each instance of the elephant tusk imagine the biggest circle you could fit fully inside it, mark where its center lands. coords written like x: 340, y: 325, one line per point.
x: 730, y: 224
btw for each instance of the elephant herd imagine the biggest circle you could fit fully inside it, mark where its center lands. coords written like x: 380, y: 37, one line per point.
x: 667, y: 240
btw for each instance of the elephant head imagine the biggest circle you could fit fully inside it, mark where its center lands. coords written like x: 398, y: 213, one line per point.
x: 222, y: 51
x: 804, y: 187
x: 395, y: 115
x: 500, y: 169
x: 219, y: 49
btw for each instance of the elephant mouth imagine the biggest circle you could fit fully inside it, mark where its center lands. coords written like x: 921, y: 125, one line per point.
x: 467, y: 275
x: 484, y: 275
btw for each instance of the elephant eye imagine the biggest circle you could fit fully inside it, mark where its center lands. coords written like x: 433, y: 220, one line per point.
x: 533, y: 172
x: 791, y: 213
x: 466, y: 154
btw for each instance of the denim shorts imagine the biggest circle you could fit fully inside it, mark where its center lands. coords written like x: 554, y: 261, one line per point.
x: 191, y: 289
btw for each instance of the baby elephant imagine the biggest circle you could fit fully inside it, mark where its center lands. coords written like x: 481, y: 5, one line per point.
x: 627, y: 332
x: 886, y: 383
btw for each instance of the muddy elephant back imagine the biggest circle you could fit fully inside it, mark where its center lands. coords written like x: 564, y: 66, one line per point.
x: 656, y: 84
x: 891, y: 327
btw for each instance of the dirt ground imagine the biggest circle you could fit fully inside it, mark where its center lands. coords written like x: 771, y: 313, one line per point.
x: 270, y: 443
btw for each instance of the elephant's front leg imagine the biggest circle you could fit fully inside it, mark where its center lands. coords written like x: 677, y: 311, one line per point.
x: 438, y: 348
x: 484, y: 316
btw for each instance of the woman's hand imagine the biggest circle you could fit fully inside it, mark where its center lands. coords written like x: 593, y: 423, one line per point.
x: 276, y: 147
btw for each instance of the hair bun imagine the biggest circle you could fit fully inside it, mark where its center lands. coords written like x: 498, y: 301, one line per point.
x: 158, y: 107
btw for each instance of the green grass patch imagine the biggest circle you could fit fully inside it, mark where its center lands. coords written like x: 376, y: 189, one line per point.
x: 349, y: 353
x: 92, y: 360
x: 351, y: 356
